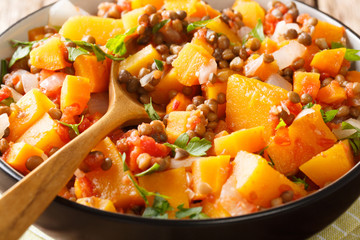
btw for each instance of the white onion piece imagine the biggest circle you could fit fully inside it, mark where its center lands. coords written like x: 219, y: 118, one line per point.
x: 252, y: 66
x: 281, y: 29
x: 206, y: 70
x: 304, y: 112
x: 182, y: 163
x: 53, y: 82
x: 286, y: 55
x: 78, y: 173
x: 343, y: 133
x: 277, y: 80
x: 99, y: 102
x: 15, y: 95
x: 28, y: 80
x: 243, y: 31
x: 62, y: 11
x: 353, y: 122
x: 4, y: 123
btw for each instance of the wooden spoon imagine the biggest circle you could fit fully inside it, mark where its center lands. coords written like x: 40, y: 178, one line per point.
x: 24, y: 202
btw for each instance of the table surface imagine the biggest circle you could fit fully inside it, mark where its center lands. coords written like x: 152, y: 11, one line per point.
x: 10, y: 12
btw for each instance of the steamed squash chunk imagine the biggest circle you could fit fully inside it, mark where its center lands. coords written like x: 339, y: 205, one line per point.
x: 251, y: 12
x: 328, y: 31
x: 142, y: 3
x: 114, y: 184
x: 258, y: 182
x: 250, y: 140
x: 329, y: 61
x: 43, y: 134
x: 249, y: 102
x: 75, y: 28
x: 18, y: 153
x: 31, y: 108
x: 212, y: 171
x: 308, y: 136
x: 141, y: 59
x: 178, y: 103
x: 306, y: 82
x: 102, y: 204
x: 176, y: 126
x: 171, y: 183
x: 75, y: 91
x: 130, y: 19
x: 50, y: 55
x: 329, y: 165
x: 189, y: 62
x: 217, y: 25
x: 189, y: 6
x: 212, y: 91
x: 97, y: 72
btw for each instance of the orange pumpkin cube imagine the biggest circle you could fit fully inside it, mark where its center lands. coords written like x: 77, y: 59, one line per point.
x: 176, y: 126
x: 142, y: 3
x: 212, y: 91
x: 328, y: 31
x: 329, y: 61
x: 203, y: 9
x: 130, y: 19
x: 353, y: 76
x: 189, y: 6
x: 178, y: 103
x: 71, y: 95
x: 257, y: 67
x: 219, y: 26
x: 306, y: 82
x: 102, y: 204
x: 251, y: 12
x: 268, y: 46
x: 167, y: 83
x: 332, y: 93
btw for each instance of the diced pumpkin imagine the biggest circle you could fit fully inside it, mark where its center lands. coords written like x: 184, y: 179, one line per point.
x: 308, y: 136
x: 268, y: 46
x: 31, y: 107
x: 43, y: 134
x: 258, y: 182
x: 251, y: 12
x: 189, y: 6
x: 328, y: 31
x: 178, y: 103
x: 202, y: 42
x: 257, y: 67
x: 189, y: 62
x: 329, y: 165
x: 309, y: 55
x: 50, y: 55
x: 212, y: 91
x: 332, y: 93
x: 220, y: 27
x: 167, y: 83
x: 203, y: 9
x: 36, y: 34
x: 353, y: 76
x: 307, y: 82
x: 114, y: 184
x: 71, y: 95
x: 249, y: 140
x: 75, y: 28
x: 18, y: 153
x: 248, y: 103
x: 141, y: 59
x: 102, y: 204
x: 213, y: 208
x: 130, y: 19
x: 171, y: 183
x: 177, y: 124
x: 142, y: 3
x: 212, y: 171
x: 329, y: 61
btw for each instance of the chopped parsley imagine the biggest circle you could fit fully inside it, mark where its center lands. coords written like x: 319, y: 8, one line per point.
x: 152, y: 169
x: 328, y: 116
x: 74, y: 127
x: 123, y: 159
x: 159, y: 25
x: 194, y: 25
x: 195, y: 147
x: 159, y: 65
x: 117, y: 44
x: 350, y: 54
x: 301, y: 181
x: 281, y: 124
x: 354, y: 139
x: 192, y: 213
x: 73, y: 53
x: 158, y: 209
x: 151, y: 111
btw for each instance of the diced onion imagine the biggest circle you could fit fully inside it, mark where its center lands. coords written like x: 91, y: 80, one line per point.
x: 28, y: 80
x: 4, y: 123
x: 277, y: 80
x: 286, y: 55
x: 53, y: 82
x: 98, y: 103
x: 252, y: 66
x: 281, y: 29
x: 343, y: 133
x: 206, y: 70
x: 15, y: 95
x: 353, y: 122
x: 304, y: 112
x: 182, y: 163
x: 243, y: 32
x: 62, y: 11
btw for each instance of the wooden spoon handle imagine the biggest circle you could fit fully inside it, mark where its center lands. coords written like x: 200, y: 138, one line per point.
x: 24, y: 202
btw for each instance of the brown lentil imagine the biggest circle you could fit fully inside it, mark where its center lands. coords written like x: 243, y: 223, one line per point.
x: 213, y: 104
x: 321, y: 43
x: 158, y: 38
x: 204, y: 108
x: 268, y: 58
x: 340, y: 78
x: 32, y: 162
x: 190, y: 107
x: 124, y: 76
x: 343, y: 70
x: 187, y: 90
x: 217, y: 54
x: 223, y: 64
x: 228, y: 54
x: 70, y: 44
x: 313, y: 21
x: 326, y: 82
x: 198, y: 100
x: 288, y: 72
x: 55, y: 113
x: 154, y: 19
x: 143, y: 161
x: 298, y: 63
x: 287, y: 196
x: 211, y: 36
x: 5, y: 109
x: 212, y: 125
x: 209, y: 136
x: 294, y: 13
x: 343, y: 111
x: 34, y: 69
x: 181, y: 14
x: 191, y: 133
x: 255, y: 44
x: 356, y: 87
x: 114, y: 12
x: 157, y: 126
x: 223, y: 42
x: 106, y: 164
x: 149, y: 9
x: 89, y: 39
x: 177, y: 25
x: 212, y: 117
x: 354, y: 112
x: 144, y: 98
x: 173, y: 15
x: 175, y: 49
x: 306, y: 98
x: 305, y: 39
x: 133, y: 85
x: 200, y: 129
x: 276, y: 202
x: 212, y: 78
x: 289, y: 119
x: 52, y: 151
x: 180, y: 154
x: 221, y: 98
x: 170, y: 59
x: 236, y: 64
x: 243, y: 54
x: 293, y: 97
x: 162, y: 49
x: 291, y: 34
x: 141, y: 29
x: 4, y: 145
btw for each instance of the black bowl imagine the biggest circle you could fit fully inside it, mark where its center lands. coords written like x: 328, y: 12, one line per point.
x: 65, y: 219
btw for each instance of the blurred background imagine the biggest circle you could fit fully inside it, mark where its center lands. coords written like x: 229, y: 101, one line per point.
x: 12, y: 10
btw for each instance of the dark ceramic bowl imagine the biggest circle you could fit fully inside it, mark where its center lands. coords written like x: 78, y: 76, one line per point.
x: 65, y: 219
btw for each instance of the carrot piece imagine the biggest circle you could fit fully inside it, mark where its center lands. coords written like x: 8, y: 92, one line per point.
x: 329, y: 61
x: 332, y: 93
x: 306, y: 82
x: 178, y: 103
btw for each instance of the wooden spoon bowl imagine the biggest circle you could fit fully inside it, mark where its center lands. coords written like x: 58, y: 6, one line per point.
x: 23, y: 203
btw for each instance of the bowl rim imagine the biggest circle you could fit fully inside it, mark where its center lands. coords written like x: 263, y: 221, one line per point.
x: 302, y: 202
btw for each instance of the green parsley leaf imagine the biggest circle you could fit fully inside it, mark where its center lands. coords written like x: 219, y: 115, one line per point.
x: 117, y: 44
x: 20, y: 53
x: 74, y: 127
x: 151, y: 111
x: 4, y: 68
x: 143, y: 192
x: 199, y: 24
x: 309, y: 105
x: 192, y: 213
x: 350, y: 54
x: 329, y: 115
x: 281, y: 124
x: 354, y: 139
x: 197, y: 147
x: 159, y: 25
x: 258, y: 31
x: 159, y: 64
x: 73, y: 53
x: 99, y: 53
x: 301, y: 181
x: 271, y: 162
x: 182, y: 140
x: 158, y: 209
x: 355, y: 145
x: 8, y: 101
x: 261, y: 152
x: 152, y: 169
x: 123, y: 159
x: 22, y: 43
